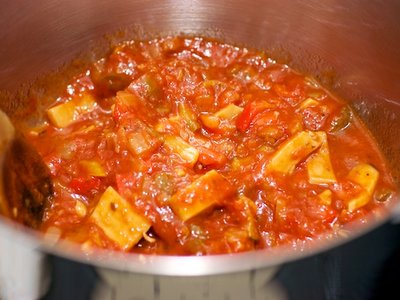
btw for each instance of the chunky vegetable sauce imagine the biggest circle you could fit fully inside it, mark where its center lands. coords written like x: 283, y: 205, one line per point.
x: 189, y: 146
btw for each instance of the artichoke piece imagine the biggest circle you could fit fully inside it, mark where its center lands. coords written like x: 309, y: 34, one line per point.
x: 366, y: 176
x: 250, y: 211
x: 210, y: 121
x: 142, y: 143
x: 186, y: 151
x: 229, y: 112
x: 62, y: 115
x: 294, y: 150
x: 319, y: 165
x: 325, y: 197
x: 206, y: 191
x: 309, y: 102
x: 129, y: 99
x: 115, y: 216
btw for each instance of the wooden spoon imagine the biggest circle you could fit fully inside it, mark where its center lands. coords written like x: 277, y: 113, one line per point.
x: 27, y: 185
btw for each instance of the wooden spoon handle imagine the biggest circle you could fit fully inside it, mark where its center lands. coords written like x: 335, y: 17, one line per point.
x: 27, y: 183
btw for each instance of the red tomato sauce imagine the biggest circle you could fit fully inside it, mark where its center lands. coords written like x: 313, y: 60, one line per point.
x: 189, y: 146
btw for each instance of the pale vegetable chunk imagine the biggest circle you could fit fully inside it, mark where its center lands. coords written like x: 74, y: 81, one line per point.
x: 186, y: 151
x: 229, y: 112
x: 309, y: 102
x: 366, y: 176
x: 250, y: 210
x: 92, y: 168
x: 118, y: 220
x: 358, y: 202
x: 206, y: 191
x: 294, y: 150
x: 210, y: 121
x: 140, y: 143
x: 62, y: 115
x: 128, y: 99
x: 325, y: 197
x: 319, y: 166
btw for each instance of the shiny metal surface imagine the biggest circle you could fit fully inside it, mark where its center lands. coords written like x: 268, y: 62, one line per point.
x: 352, y: 47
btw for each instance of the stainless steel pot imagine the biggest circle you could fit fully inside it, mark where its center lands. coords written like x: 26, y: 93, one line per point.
x: 352, y: 47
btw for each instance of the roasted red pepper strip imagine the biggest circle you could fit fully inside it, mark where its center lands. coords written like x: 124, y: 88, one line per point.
x: 83, y: 185
x: 253, y: 108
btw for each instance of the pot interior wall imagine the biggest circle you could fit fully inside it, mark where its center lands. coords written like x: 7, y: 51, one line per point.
x: 353, y: 48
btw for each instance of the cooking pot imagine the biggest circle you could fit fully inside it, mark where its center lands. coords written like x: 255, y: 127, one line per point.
x: 351, y: 47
